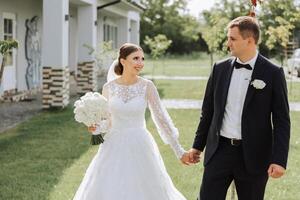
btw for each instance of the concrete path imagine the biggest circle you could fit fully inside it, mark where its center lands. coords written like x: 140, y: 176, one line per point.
x: 14, y: 113
x: 289, y: 78
x: 197, y: 104
x: 162, y: 77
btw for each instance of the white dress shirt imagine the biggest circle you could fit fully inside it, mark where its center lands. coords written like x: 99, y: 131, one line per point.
x: 240, y: 80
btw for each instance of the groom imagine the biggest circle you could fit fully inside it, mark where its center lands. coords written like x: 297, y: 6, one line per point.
x: 245, y: 123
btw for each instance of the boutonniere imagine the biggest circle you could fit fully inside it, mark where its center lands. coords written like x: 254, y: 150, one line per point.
x: 258, y: 84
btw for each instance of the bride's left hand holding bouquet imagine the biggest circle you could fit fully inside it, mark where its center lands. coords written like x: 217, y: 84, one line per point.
x: 92, y: 110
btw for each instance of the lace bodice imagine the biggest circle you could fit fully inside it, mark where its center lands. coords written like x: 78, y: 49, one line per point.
x: 127, y: 105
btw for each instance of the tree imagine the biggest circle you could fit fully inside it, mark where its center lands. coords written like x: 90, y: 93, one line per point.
x: 158, y: 46
x: 170, y: 19
x: 215, y: 22
x: 5, y: 47
x: 216, y: 38
x: 278, y: 20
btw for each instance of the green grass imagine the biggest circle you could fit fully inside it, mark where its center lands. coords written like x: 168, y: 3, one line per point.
x: 194, y: 89
x: 192, y: 66
x: 46, y: 157
x: 180, y: 66
x: 175, y: 89
x: 294, y: 91
x: 287, y: 187
x: 71, y: 177
x: 187, y: 179
x: 34, y: 155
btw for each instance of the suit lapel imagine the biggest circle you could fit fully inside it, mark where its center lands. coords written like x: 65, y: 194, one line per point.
x: 257, y: 74
x: 226, y: 83
x: 227, y: 79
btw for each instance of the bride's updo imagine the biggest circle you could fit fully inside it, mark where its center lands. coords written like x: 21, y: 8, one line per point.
x: 125, y: 50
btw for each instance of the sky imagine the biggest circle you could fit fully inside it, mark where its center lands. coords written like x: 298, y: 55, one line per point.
x: 196, y: 6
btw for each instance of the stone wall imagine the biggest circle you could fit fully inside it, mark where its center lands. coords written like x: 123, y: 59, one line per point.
x: 86, y: 77
x: 56, y: 87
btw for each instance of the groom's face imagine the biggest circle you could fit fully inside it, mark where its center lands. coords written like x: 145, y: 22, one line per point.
x: 236, y: 43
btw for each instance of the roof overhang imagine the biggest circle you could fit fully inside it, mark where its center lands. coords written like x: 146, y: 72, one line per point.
x: 128, y: 4
x: 81, y: 2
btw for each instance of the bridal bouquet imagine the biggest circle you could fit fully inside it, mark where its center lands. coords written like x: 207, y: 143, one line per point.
x: 91, y: 109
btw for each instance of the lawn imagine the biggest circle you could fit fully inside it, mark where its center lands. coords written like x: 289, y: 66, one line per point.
x: 46, y: 157
x: 192, y: 66
x: 187, y: 179
x: 198, y: 65
x: 175, y: 89
x: 194, y: 89
x: 34, y: 155
x: 294, y: 91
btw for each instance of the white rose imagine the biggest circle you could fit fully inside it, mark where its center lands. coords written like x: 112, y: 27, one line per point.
x: 78, y: 103
x: 88, y: 95
x: 91, y: 108
x: 258, y: 84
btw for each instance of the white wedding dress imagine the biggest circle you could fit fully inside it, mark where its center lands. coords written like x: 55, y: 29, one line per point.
x: 128, y: 165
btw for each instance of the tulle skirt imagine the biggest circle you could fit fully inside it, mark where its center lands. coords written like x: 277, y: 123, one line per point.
x: 128, y: 166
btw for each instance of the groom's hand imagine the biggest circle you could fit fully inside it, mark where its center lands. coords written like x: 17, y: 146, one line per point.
x: 276, y: 171
x: 194, y: 155
x: 191, y: 157
x: 185, y: 159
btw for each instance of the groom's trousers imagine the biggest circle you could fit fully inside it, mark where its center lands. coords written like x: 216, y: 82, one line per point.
x: 225, y: 166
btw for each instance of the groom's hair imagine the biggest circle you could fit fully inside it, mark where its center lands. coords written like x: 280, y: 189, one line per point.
x: 248, y: 27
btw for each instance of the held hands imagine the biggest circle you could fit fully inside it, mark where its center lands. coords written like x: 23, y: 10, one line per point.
x: 92, y: 128
x: 276, y: 171
x: 191, y: 157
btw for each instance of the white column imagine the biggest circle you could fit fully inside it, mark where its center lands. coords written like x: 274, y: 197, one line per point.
x: 138, y: 32
x: 134, y: 27
x: 73, y: 40
x: 87, y: 35
x: 87, y: 31
x: 55, y: 53
x: 123, y: 31
x: 55, y: 33
x: 134, y: 32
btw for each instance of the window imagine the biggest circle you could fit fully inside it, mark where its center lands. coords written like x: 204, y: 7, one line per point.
x: 110, y: 33
x: 8, y: 34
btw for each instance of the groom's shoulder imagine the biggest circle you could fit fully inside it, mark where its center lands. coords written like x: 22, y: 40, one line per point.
x: 270, y: 65
x: 224, y: 62
x: 267, y: 61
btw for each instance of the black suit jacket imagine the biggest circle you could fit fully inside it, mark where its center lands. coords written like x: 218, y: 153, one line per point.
x: 265, y: 117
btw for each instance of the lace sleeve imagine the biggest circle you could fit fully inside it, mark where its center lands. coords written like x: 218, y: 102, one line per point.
x: 104, y: 126
x: 166, y: 129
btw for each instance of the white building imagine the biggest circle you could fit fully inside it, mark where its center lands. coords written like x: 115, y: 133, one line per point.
x: 52, y: 35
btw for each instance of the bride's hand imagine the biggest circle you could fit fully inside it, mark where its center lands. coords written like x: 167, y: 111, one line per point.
x: 92, y: 128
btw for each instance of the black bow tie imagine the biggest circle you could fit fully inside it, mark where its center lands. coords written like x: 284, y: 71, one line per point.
x: 239, y: 65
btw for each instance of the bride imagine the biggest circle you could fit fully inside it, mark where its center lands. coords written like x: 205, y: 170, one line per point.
x: 128, y: 166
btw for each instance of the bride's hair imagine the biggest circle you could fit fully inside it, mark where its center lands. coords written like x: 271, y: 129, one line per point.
x: 125, y: 50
